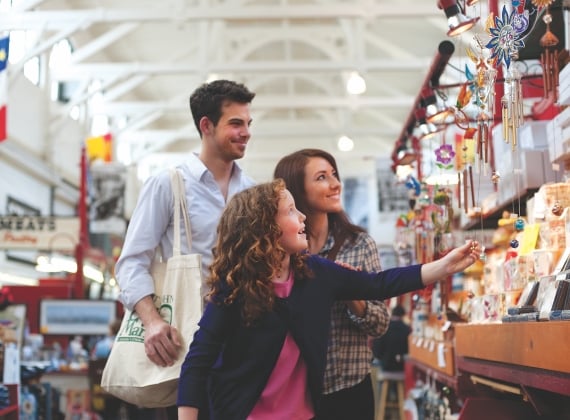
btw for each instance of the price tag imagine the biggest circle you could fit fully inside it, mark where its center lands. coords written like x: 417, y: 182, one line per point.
x: 441, y: 355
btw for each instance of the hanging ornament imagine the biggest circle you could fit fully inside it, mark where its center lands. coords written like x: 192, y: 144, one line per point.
x: 514, y: 243
x: 512, y: 107
x: 482, y: 255
x: 444, y: 156
x: 483, y: 84
x: 557, y: 208
x: 549, y: 61
x: 505, y: 43
x: 519, y: 224
x: 495, y: 177
x: 542, y: 3
x: 464, y: 96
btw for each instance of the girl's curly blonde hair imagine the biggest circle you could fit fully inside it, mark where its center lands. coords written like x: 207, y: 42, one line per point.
x: 247, y: 253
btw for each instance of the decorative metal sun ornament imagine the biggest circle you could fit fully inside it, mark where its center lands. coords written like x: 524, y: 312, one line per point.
x: 505, y: 39
x: 542, y: 3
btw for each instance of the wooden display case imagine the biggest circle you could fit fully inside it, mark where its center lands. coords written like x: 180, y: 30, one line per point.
x: 524, y: 364
x: 541, y: 345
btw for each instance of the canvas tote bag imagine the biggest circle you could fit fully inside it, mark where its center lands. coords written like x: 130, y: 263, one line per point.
x: 128, y: 373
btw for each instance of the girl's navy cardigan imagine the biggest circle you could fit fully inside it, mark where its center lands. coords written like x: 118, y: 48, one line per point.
x: 228, y: 364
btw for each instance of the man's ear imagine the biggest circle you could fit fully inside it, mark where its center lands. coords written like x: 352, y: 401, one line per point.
x: 206, y: 125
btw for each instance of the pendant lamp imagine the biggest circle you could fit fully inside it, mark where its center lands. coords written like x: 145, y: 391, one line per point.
x: 456, y: 20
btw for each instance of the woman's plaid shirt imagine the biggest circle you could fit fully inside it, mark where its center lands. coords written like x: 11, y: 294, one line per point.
x: 348, y: 354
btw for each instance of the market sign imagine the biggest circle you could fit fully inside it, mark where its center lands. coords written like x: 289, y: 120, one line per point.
x: 39, y: 232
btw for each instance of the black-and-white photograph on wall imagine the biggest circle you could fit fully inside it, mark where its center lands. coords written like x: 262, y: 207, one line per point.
x: 355, y: 198
x: 107, y: 198
x: 392, y: 195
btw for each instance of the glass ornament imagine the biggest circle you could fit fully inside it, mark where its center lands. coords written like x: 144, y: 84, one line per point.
x: 557, y: 209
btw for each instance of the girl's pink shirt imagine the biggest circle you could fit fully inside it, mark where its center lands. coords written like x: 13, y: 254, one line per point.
x: 286, y: 396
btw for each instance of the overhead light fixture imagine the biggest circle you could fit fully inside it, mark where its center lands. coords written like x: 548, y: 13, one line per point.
x: 427, y: 129
x: 456, y: 20
x: 406, y: 154
x: 345, y: 144
x: 59, y: 264
x: 439, y: 115
x: 402, y: 171
x: 355, y: 85
x: 429, y: 100
x: 434, y: 113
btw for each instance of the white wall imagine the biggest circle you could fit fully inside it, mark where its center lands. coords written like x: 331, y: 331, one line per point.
x: 34, y: 162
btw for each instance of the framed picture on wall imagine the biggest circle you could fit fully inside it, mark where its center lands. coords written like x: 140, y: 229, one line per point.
x: 15, y: 207
x: 76, y: 316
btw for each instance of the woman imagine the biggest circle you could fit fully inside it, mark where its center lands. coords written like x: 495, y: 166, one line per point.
x: 312, y: 177
x: 260, y: 349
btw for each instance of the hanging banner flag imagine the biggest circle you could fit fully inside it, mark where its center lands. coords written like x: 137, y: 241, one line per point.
x: 4, y: 43
x: 99, y: 148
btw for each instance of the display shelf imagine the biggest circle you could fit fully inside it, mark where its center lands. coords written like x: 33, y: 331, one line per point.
x: 438, y: 355
x: 12, y: 412
x: 429, y: 371
x: 491, y: 217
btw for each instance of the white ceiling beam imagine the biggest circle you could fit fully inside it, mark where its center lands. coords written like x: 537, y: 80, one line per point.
x: 55, y: 19
x: 264, y: 102
x: 304, y: 129
x: 143, y: 119
x: 125, y: 87
x: 24, y: 5
x: 102, y: 42
x: 80, y: 71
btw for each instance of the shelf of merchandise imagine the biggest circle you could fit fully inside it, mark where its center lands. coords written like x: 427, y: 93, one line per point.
x: 437, y: 355
x: 490, y: 218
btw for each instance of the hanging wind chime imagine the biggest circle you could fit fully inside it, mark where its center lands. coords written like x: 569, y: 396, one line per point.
x: 549, y: 60
x: 505, y: 32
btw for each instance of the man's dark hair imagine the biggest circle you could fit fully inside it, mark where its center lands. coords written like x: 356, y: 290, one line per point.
x: 398, y: 310
x: 207, y: 100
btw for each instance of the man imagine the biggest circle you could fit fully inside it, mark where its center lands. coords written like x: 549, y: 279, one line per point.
x: 390, y: 348
x: 221, y: 113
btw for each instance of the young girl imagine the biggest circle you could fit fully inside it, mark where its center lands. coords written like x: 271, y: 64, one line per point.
x: 312, y: 177
x: 260, y: 351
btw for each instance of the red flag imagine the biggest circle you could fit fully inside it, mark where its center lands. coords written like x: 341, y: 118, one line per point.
x: 4, y: 43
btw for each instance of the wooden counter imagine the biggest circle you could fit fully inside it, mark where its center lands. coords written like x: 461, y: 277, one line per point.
x: 542, y: 345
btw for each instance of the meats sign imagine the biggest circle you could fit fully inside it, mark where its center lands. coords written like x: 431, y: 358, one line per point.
x: 39, y: 232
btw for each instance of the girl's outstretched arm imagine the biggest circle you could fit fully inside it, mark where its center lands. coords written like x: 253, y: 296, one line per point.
x: 456, y: 261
